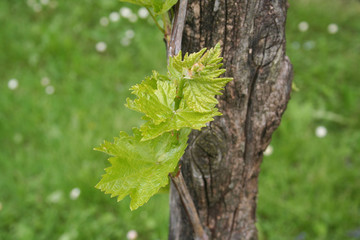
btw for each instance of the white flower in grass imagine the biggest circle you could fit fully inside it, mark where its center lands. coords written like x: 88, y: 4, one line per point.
x: 45, y: 81
x: 133, y: 18
x: 114, y: 16
x: 65, y: 236
x: 30, y: 3
x: 126, y: 12
x: 71, y: 235
x: 44, y: 2
x: 55, y: 197
x: 269, y: 150
x: 308, y: 45
x: 303, y: 26
x: 333, y: 28
x: 143, y: 13
x: 75, y: 193
x: 37, y: 7
x: 49, y: 90
x: 125, y: 41
x: 129, y: 33
x: 104, y: 21
x: 101, y: 47
x: 18, y: 138
x: 53, y: 4
x: 321, y: 131
x: 13, y: 84
x: 131, y: 235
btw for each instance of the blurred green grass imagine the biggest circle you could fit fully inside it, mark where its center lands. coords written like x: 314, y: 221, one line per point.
x: 309, y: 186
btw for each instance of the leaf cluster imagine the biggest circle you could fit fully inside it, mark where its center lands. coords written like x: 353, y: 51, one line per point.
x: 158, y: 6
x: 172, y: 105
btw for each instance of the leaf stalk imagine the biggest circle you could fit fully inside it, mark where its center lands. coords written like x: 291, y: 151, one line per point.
x: 155, y: 20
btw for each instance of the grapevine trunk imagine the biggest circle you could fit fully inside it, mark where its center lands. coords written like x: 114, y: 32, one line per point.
x: 222, y: 162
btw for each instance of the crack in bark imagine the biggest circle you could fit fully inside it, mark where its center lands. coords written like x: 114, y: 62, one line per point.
x: 205, y: 187
x: 233, y: 222
x: 248, y: 115
x: 211, y: 179
x: 225, y: 29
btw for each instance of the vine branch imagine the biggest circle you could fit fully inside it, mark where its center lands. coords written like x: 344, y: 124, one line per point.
x: 173, y: 48
x: 174, y: 45
x: 155, y: 20
x: 180, y: 185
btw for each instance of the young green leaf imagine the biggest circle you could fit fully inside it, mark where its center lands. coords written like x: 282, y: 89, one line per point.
x: 158, y: 6
x: 183, y: 99
x: 199, y: 73
x: 181, y: 118
x: 155, y: 98
x: 172, y: 105
x: 141, y: 168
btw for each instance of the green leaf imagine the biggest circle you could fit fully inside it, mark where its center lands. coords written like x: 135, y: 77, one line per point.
x: 155, y: 98
x: 199, y: 93
x: 172, y: 105
x: 141, y: 168
x: 183, y: 99
x: 199, y: 74
x: 181, y: 118
x: 158, y: 6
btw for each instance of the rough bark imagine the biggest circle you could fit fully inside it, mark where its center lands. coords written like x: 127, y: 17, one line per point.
x: 222, y: 162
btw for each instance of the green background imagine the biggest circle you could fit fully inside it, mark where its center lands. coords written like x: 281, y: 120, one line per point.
x: 309, y: 186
